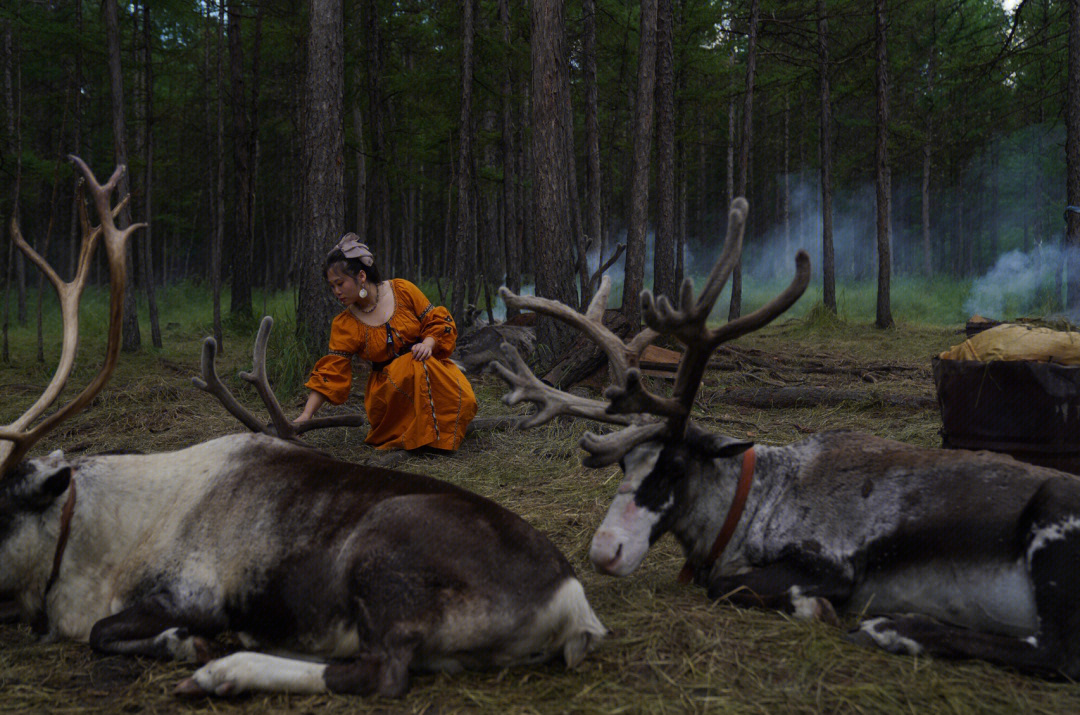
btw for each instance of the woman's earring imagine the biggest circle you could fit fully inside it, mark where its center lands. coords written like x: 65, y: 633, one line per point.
x: 363, y: 293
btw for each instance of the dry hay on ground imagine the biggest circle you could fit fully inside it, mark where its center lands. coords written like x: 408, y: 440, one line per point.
x: 671, y: 650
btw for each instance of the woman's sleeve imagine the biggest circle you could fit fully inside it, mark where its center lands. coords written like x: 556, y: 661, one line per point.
x: 332, y: 375
x: 435, y: 323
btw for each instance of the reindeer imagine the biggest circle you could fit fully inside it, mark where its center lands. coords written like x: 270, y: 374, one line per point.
x: 382, y: 571
x: 951, y: 553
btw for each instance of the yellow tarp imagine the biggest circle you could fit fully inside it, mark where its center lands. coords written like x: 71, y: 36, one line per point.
x: 1018, y: 342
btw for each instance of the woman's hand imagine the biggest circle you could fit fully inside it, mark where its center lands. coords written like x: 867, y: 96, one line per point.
x: 422, y: 350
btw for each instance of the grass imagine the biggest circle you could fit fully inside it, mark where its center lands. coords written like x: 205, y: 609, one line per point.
x: 671, y: 650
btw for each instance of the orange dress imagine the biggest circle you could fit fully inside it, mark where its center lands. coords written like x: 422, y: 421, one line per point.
x: 409, y: 403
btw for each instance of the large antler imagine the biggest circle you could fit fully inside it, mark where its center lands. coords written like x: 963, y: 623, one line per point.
x: 628, y: 402
x: 17, y: 438
x: 279, y: 424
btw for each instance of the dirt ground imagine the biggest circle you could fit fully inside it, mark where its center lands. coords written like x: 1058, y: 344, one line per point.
x: 671, y: 650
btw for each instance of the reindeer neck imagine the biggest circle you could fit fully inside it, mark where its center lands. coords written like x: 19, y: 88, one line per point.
x: 710, y: 491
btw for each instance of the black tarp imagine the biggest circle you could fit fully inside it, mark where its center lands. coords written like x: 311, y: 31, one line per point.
x: 1028, y: 409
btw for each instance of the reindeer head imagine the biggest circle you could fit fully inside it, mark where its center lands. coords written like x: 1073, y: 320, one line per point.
x: 656, y: 440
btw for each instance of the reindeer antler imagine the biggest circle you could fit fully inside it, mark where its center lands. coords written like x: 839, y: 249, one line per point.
x: 280, y: 425
x: 648, y: 415
x: 17, y: 438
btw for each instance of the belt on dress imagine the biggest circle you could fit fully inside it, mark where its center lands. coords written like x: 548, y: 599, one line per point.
x: 378, y: 365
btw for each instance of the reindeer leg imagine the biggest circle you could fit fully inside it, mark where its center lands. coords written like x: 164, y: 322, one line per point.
x: 254, y: 672
x: 916, y: 634
x: 806, y: 592
x: 386, y: 673
x: 150, y: 630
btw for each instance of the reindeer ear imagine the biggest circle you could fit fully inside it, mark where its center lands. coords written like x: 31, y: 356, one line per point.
x: 717, y: 445
x: 47, y: 485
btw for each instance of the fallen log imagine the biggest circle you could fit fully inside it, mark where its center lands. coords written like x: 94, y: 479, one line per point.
x: 785, y: 397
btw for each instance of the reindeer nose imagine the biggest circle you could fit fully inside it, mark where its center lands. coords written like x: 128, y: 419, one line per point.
x: 606, y: 552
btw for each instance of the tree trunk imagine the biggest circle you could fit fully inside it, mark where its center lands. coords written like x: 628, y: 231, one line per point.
x: 1072, y: 156
x: 511, y: 216
x: 785, y: 203
x: 146, y: 246
x: 735, y: 308
x: 664, y: 248
x: 702, y: 203
x: 552, y: 249
x: 219, y: 185
x: 240, y: 303
x: 639, y: 172
x: 828, y: 260
x: 733, y: 119
x: 131, y: 338
x: 256, y: 82
x: 14, y: 133
x: 76, y: 145
x: 926, y: 164
x: 324, y: 188
x: 463, y: 258
x: 592, y: 129
x: 361, y: 167
x: 379, y: 218
x: 883, y: 178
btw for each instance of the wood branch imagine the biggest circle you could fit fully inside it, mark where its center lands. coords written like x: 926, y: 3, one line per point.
x: 788, y: 397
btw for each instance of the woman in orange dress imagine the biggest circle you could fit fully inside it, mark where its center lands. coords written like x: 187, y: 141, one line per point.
x: 416, y: 397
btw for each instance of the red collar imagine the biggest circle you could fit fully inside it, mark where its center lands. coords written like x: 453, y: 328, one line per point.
x: 65, y: 531
x: 746, y: 478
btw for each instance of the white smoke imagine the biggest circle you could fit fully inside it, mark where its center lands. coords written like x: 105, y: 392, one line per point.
x: 1020, y: 284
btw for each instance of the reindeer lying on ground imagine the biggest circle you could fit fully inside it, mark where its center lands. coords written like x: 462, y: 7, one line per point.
x: 952, y: 553
x: 382, y: 571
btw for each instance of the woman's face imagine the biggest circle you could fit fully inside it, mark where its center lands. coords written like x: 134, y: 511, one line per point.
x: 346, y: 288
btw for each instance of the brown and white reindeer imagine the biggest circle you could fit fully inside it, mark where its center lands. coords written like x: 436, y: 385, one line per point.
x: 952, y: 553
x: 377, y: 571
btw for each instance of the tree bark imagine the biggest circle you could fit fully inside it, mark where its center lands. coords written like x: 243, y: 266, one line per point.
x: 785, y: 203
x: 14, y: 133
x: 361, y: 167
x: 639, y: 172
x: 511, y: 216
x: 323, y: 215
x: 552, y: 250
x: 828, y: 259
x: 592, y: 129
x: 240, y: 303
x: 131, y: 338
x: 664, y: 248
x: 379, y: 218
x: 146, y: 246
x: 735, y: 308
x: 464, y: 259
x: 883, y: 173
x: 927, y: 156
x: 219, y: 186
x: 1072, y: 156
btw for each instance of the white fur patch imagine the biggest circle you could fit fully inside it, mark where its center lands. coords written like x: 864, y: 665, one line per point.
x: 887, y: 638
x: 182, y: 649
x: 246, y: 672
x: 1054, y: 532
x: 806, y: 608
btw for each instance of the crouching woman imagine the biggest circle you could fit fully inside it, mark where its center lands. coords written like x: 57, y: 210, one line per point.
x: 415, y: 397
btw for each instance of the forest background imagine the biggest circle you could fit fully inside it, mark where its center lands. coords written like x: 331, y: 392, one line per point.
x: 491, y: 142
